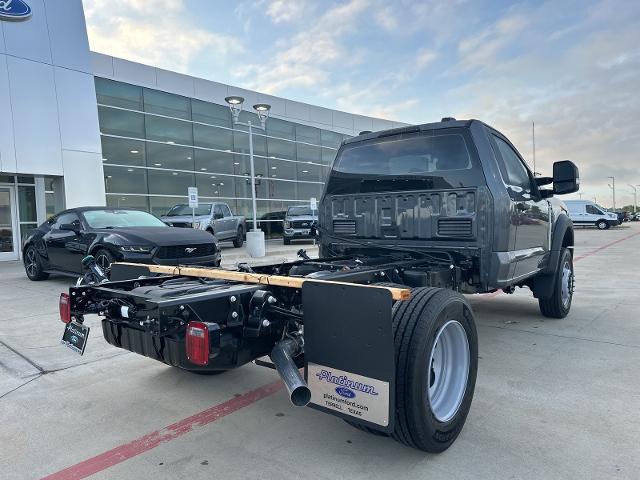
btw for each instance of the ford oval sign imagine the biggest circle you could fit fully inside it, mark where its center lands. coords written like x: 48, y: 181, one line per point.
x: 14, y: 10
x: 345, y: 392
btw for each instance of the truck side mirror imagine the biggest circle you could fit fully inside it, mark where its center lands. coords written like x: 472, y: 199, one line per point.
x: 566, y: 178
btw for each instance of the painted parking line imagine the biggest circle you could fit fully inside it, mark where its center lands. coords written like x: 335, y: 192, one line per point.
x: 150, y: 441
x: 605, y: 246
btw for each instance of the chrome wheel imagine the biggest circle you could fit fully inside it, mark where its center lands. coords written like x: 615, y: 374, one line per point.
x: 449, y: 370
x: 31, y: 263
x: 567, y: 284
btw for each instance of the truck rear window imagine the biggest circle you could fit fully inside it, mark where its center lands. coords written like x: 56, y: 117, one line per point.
x: 402, y: 162
x: 418, y: 155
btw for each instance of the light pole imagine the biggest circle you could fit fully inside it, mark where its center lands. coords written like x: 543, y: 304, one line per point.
x: 255, y: 238
x: 613, y: 188
x: 635, y: 197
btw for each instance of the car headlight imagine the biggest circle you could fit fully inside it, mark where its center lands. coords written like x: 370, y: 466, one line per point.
x: 287, y: 224
x: 135, y: 249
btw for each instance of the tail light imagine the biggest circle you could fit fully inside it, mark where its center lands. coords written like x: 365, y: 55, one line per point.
x: 65, y: 307
x: 198, y: 343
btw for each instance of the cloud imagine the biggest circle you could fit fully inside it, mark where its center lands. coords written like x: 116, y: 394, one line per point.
x: 161, y: 36
x: 425, y: 57
x: 386, y: 18
x: 281, y: 11
x: 305, y: 60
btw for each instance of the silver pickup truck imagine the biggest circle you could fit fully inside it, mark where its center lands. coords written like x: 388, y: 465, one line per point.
x: 215, y: 218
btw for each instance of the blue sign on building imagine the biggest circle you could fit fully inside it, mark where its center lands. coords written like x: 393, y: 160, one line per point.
x: 14, y: 10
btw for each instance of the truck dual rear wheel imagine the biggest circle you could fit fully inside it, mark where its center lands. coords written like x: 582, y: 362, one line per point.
x: 436, y: 347
x: 559, y: 304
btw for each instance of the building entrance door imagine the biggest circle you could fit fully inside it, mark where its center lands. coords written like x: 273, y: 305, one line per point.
x: 9, y: 244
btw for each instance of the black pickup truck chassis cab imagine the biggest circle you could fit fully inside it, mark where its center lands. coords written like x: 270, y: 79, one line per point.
x: 410, y: 219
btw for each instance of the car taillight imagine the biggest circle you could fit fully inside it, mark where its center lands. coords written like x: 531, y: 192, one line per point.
x: 65, y: 307
x: 198, y: 343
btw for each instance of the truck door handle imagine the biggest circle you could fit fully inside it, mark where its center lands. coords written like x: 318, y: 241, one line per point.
x: 522, y: 206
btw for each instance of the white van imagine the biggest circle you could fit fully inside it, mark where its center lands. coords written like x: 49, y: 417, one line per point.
x: 585, y: 212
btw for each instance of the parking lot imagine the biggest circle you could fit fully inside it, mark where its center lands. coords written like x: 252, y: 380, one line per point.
x: 554, y: 398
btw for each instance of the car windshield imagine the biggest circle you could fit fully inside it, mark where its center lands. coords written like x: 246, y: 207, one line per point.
x: 121, y: 218
x: 299, y: 211
x: 179, y: 210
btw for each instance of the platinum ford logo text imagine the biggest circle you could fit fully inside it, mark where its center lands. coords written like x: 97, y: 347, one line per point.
x: 344, y: 381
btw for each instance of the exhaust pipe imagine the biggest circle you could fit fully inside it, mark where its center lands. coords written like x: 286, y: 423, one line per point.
x: 282, y: 357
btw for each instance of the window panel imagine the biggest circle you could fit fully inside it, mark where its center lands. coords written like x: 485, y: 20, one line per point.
x: 27, y: 203
x: 307, y: 153
x: 328, y: 155
x: 511, y: 167
x: 26, y: 179
x: 167, y: 104
x: 170, y: 183
x: 118, y: 94
x: 215, y: 162
x: 330, y: 139
x: 282, y: 190
x: 308, y: 190
x: 173, y: 157
x: 210, y: 113
x: 241, y: 143
x: 216, y: 186
x: 26, y: 228
x: 123, y: 151
x: 243, y: 187
x: 282, y: 169
x: 308, y: 134
x: 125, y: 180
x: 212, y: 137
x: 130, y: 201
x: 242, y: 165
x: 169, y: 130
x: 7, y: 179
x: 281, y: 129
x: 120, y: 122
x: 281, y: 148
x: 309, y: 172
x: 159, y: 206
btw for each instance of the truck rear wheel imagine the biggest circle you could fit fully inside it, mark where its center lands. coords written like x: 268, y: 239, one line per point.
x: 238, y: 241
x: 559, y: 304
x: 436, y: 347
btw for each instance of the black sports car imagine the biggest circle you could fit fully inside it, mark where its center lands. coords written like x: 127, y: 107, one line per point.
x: 112, y: 234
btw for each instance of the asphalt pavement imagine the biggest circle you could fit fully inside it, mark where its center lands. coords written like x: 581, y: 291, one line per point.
x: 555, y: 399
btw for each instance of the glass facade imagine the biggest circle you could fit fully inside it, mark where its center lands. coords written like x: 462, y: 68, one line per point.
x: 156, y: 144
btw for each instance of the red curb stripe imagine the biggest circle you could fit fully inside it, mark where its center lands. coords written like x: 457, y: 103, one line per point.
x: 152, y: 440
x: 603, y: 247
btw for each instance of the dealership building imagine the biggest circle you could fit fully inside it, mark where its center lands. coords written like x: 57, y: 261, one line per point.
x: 81, y: 128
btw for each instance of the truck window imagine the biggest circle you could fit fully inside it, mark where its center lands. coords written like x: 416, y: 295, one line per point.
x: 593, y: 210
x: 408, y: 161
x: 513, y: 171
x: 217, y: 210
x: 225, y: 210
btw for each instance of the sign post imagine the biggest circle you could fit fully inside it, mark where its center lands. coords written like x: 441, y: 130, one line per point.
x: 313, y: 203
x: 192, y: 193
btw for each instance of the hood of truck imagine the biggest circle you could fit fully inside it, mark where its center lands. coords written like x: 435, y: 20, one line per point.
x: 185, y: 218
x: 446, y: 215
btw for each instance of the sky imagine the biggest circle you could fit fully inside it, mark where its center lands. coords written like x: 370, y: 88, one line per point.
x: 572, y: 67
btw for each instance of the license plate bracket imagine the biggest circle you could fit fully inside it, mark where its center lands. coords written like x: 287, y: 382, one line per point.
x: 75, y: 336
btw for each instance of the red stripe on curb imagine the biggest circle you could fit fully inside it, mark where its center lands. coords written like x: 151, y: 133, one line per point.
x: 152, y: 440
x: 592, y: 252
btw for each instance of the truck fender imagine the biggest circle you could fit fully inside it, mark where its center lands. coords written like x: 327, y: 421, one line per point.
x: 562, y: 237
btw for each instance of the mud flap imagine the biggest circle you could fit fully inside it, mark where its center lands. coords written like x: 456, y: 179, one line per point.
x: 349, y: 352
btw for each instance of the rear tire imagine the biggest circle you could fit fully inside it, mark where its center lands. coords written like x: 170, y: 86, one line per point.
x: 436, y: 352
x: 33, y: 265
x: 238, y: 241
x: 602, y: 224
x: 559, y: 304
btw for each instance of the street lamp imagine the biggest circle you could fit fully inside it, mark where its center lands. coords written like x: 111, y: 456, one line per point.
x: 255, y: 238
x: 613, y: 188
x: 635, y: 197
